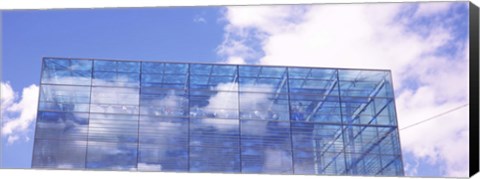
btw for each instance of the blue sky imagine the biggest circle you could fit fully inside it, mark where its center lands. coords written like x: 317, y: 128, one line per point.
x: 200, y: 34
x: 131, y: 33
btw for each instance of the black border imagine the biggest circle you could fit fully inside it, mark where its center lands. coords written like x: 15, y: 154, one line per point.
x: 474, y: 88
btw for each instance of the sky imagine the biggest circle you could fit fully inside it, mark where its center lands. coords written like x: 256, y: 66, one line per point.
x: 420, y: 43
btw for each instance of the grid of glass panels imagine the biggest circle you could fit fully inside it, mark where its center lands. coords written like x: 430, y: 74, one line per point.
x: 159, y: 116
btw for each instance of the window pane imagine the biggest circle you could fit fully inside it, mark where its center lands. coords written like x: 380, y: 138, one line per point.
x: 112, y: 156
x: 113, y: 128
x: 65, y: 94
x: 317, y: 147
x: 162, y: 158
x: 59, y: 154
x: 152, y: 67
x: 62, y: 126
x: 108, y: 95
x: 214, y: 145
x: 65, y: 71
x: 266, y: 147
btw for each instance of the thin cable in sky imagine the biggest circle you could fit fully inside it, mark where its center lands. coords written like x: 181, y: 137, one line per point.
x: 438, y: 115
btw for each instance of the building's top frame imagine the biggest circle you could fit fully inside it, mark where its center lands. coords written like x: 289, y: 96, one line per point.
x: 202, y: 63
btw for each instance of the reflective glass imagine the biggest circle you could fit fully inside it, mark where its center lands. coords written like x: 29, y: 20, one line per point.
x: 67, y: 71
x: 160, y: 116
x: 214, y: 145
x: 316, y: 147
x: 162, y: 158
x: 62, y: 126
x: 113, y: 128
x: 266, y: 147
x: 112, y: 156
x: 152, y: 67
x: 59, y: 154
x: 175, y: 68
x: 163, y: 144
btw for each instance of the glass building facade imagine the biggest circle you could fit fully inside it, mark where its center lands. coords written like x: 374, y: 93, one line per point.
x: 190, y: 117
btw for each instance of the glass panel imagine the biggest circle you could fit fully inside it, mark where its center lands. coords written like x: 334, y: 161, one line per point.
x: 265, y: 106
x: 59, y: 154
x: 128, y: 67
x: 65, y: 94
x: 108, y: 95
x: 113, y: 128
x: 224, y: 70
x: 316, y: 109
x: 211, y: 104
x: 200, y: 69
x: 317, y: 147
x: 101, y: 65
x: 65, y: 71
x: 176, y: 68
x: 62, y: 126
x: 366, y: 145
x: 164, y: 103
x: 214, y: 145
x: 163, y: 144
x: 266, y: 147
x: 152, y: 67
x: 116, y: 66
x: 67, y: 107
x: 164, y: 81
x: 215, y: 82
x: 261, y: 71
x: 116, y: 79
x: 266, y: 85
x: 64, y: 98
x: 162, y: 158
x: 164, y: 131
x: 112, y: 156
x: 116, y: 73
x: 361, y: 83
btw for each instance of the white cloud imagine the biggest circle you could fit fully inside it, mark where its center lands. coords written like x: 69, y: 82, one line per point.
x: 12, y: 138
x: 372, y: 36
x: 199, y: 20
x: 235, y: 60
x: 7, y: 95
x: 18, y: 116
x: 432, y: 8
